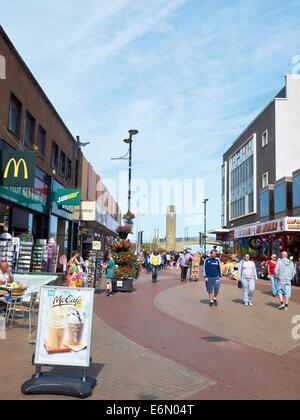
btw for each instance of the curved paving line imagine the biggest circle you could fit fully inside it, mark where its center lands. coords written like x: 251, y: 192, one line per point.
x: 167, y: 354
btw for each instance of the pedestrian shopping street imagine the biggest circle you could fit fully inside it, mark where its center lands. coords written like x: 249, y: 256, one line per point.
x: 164, y: 342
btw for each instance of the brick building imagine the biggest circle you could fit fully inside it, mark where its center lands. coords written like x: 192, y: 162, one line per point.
x: 29, y: 121
x: 260, y: 179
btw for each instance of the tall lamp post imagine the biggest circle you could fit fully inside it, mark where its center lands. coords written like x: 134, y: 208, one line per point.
x: 204, y: 202
x: 129, y: 141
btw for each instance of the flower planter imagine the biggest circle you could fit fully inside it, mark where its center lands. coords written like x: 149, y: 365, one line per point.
x: 123, y: 235
x: 122, y: 285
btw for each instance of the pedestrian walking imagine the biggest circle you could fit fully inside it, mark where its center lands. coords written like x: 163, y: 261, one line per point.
x: 271, y: 273
x: 110, y: 270
x: 284, y: 272
x: 184, y: 263
x: 147, y: 262
x: 212, y: 276
x: 155, y: 261
x: 247, y: 275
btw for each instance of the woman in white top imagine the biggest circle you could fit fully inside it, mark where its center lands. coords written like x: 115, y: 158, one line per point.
x: 247, y: 275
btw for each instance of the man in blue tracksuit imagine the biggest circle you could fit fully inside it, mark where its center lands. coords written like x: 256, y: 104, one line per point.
x: 212, y: 275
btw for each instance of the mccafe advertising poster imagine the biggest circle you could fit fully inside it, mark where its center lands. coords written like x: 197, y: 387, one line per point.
x: 64, y: 326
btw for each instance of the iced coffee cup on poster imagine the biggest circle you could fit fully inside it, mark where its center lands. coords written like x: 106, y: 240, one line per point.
x: 75, y: 328
x: 56, y: 334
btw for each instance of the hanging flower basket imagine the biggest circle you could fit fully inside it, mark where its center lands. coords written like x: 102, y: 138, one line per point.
x: 123, y: 231
x: 129, y: 215
x: 123, y: 235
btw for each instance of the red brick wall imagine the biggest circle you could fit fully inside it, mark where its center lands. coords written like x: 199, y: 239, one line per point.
x: 22, y: 84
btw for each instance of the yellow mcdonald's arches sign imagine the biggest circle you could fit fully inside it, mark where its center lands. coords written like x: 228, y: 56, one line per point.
x: 17, y: 168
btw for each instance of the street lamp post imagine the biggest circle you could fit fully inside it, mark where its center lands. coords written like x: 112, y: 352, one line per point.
x: 129, y: 153
x: 204, y: 202
x: 129, y: 141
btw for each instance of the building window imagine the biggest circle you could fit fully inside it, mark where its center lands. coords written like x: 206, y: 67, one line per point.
x: 29, y: 129
x: 41, y: 141
x: 69, y: 170
x: 223, y: 196
x: 15, y: 115
x: 76, y: 173
x: 264, y: 203
x: 265, y: 139
x: 280, y: 198
x: 241, y: 181
x: 62, y: 164
x: 54, y: 156
x: 265, y: 180
x: 296, y: 191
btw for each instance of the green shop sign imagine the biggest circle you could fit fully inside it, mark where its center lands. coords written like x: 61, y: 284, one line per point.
x: 17, y: 168
x: 67, y: 197
x: 32, y: 198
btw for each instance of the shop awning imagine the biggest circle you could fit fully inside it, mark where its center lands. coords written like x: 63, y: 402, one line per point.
x: 283, y: 225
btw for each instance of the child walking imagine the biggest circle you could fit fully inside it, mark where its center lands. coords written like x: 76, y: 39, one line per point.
x: 110, y: 266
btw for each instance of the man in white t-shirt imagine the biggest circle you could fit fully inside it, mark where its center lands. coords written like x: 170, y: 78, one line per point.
x: 5, y: 279
x: 5, y: 273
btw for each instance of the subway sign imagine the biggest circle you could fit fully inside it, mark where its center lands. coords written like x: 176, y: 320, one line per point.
x: 17, y: 168
x: 67, y: 197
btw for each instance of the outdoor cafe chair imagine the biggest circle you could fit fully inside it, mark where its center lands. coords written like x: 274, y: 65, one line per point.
x: 18, y: 305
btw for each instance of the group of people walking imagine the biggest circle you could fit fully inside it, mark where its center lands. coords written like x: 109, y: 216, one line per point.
x: 167, y: 260
x: 155, y: 263
x: 281, y: 272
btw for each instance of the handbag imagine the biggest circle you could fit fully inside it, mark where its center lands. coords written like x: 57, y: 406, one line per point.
x: 240, y: 284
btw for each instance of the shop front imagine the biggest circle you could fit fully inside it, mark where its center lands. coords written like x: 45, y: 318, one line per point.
x: 261, y: 240
x: 23, y: 222
x: 63, y: 226
x: 23, y: 210
x: 95, y: 226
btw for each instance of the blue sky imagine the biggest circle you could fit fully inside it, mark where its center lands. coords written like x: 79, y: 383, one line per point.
x: 190, y: 75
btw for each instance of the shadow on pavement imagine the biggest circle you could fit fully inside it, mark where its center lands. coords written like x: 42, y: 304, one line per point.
x: 273, y: 304
x: 94, y: 370
x: 240, y: 301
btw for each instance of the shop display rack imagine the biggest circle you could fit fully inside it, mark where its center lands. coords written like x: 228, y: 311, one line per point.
x: 24, y: 257
x: 53, y: 250
x: 94, y: 270
x: 40, y: 256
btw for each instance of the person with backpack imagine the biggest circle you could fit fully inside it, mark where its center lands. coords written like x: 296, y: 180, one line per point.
x: 247, y: 275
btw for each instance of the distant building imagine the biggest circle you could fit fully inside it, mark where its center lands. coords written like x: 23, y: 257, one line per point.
x: 260, y: 174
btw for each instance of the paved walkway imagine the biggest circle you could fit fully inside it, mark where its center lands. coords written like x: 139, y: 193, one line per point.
x: 164, y: 342
x: 214, y: 342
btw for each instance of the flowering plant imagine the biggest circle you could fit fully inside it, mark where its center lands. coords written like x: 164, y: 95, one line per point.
x: 129, y: 215
x: 125, y: 272
x: 125, y: 229
x: 122, y: 245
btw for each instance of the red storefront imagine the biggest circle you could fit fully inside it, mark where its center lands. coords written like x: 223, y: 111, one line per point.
x: 263, y: 239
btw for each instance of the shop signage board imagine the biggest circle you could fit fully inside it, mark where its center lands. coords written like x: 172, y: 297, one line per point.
x: 64, y: 326
x: 97, y: 245
x: 88, y: 210
x: 17, y: 168
x: 33, y: 198
x: 293, y: 224
x: 67, y: 197
x: 286, y: 224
